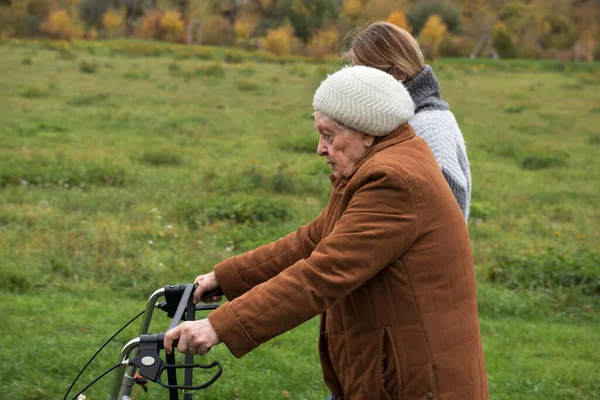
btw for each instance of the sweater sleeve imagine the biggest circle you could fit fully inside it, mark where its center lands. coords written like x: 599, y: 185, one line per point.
x: 238, y: 274
x: 380, y: 223
x: 440, y: 130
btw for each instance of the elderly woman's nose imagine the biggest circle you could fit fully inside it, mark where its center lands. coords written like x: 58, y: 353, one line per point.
x: 321, y: 148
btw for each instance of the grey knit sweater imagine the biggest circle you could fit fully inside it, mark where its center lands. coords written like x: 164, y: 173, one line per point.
x: 435, y: 124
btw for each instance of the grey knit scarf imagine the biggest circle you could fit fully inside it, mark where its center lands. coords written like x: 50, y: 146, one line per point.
x: 425, y: 91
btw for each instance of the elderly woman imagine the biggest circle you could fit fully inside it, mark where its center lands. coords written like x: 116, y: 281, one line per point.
x: 387, y: 264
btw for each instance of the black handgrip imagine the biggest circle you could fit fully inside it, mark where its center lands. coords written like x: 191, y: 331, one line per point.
x: 215, y: 292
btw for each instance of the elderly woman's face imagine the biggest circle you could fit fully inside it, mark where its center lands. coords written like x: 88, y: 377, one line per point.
x: 342, y: 150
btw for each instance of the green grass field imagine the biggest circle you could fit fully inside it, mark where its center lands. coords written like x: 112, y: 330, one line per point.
x: 126, y: 166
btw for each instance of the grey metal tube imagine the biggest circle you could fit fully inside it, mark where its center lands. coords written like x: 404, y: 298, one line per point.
x: 120, y: 372
x: 150, y: 305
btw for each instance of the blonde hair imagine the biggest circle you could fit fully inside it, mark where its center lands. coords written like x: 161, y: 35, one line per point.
x: 386, y: 47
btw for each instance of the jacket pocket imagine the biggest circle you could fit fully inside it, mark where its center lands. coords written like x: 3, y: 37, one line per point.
x: 389, y: 367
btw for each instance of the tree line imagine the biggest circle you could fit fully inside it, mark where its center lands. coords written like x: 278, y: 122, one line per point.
x: 558, y: 29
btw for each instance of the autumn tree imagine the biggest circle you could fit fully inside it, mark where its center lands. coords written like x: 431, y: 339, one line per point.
x: 432, y: 34
x: 63, y: 22
x: 308, y: 16
x: 586, y: 17
x: 352, y: 9
x: 23, y: 17
x: 397, y: 18
x: 449, y: 14
x: 278, y: 41
x: 479, y: 18
x: 172, y: 25
x: 112, y: 21
x: 379, y: 10
x: 504, y: 41
x: 324, y: 43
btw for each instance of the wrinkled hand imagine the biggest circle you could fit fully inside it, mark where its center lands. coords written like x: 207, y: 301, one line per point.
x: 195, y: 337
x: 206, y: 283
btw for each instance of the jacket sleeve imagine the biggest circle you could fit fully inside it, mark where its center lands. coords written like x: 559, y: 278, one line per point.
x: 238, y: 274
x: 380, y: 224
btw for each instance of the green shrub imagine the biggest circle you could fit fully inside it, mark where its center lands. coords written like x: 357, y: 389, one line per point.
x: 237, y: 209
x: 235, y: 57
x: 515, y: 109
x: 27, y: 61
x: 553, y: 268
x: 88, y: 99
x: 298, y: 70
x: 456, y: 46
x: 174, y: 67
x: 248, y: 237
x: 66, y: 173
x: 504, y: 41
x: 421, y: 11
x: 535, y: 162
x: 158, y: 158
x: 212, y: 69
x: 137, y: 75
x: 481, y: 210
x: 300, y: 144
x: 279, y: 180
x: 246, y: 210
x: 203, y: 53
x: 247, y: 69
x: 246, y: 85
x: 65, y: 55
x: 34, y: 92
x: 88, y: 67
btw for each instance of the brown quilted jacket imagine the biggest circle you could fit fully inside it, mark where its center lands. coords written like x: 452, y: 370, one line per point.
x: 388, y: 266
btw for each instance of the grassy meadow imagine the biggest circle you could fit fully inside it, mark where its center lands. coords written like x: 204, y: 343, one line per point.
x: 126, y: 166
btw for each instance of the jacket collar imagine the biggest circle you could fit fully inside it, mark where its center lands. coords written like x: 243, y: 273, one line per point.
x: 401, y: 134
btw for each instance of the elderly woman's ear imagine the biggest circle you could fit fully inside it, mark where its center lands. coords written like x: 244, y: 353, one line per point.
x: 368, y: 140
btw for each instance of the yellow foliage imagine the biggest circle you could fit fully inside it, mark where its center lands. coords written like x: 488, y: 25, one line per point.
x: 399, y: 19
x: 353, y: 9
x: 173, y: 25
x: 112, y: 21
x: 243, y: 29
x: 278, y: 41
x: 432, y: 33
x: 59, y: 24
x: 324, y: 43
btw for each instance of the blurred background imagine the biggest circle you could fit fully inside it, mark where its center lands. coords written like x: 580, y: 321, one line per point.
x: 142, y: 142
x: 532, y: 29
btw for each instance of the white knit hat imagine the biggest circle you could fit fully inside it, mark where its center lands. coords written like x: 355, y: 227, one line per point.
x: 365, y: 99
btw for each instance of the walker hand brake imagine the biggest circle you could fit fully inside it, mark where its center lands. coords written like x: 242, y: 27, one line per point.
x: 151, y: 366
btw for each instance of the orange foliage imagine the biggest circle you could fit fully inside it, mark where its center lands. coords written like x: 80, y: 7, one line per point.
x: 399, y: 19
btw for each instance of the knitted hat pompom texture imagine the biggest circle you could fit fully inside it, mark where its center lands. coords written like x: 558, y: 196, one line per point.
x: 365, y: 99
